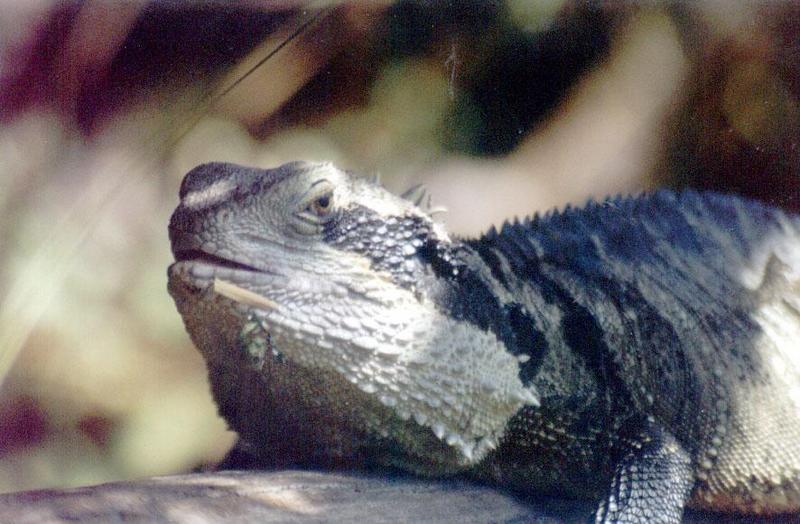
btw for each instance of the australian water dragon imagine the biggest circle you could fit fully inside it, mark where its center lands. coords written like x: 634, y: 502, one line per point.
x: 643, y: 351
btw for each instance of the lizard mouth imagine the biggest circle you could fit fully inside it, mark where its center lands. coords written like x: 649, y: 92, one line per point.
x: 196, y: 255
x: 220, y: 276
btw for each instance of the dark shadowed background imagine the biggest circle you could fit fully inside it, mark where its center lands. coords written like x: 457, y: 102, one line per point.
x: 501, y: 108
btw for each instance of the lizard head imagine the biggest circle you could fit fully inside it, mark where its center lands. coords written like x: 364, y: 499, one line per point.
x: 336, y: 273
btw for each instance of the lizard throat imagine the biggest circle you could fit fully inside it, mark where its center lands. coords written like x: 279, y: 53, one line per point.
x: 449, y: 376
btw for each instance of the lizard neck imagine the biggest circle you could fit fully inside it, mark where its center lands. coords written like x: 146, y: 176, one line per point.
x: 535, y: 319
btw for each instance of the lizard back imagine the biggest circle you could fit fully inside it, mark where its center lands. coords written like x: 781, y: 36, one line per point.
x: 688, y: 306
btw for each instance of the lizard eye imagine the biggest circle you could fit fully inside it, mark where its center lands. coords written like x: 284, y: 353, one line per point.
x: 315, y: 207
x: 321, y: 206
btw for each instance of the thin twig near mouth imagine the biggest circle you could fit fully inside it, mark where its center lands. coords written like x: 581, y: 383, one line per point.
x: 242, y: 296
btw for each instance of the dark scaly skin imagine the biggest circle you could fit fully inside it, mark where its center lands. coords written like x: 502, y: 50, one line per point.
x: 657, y: 331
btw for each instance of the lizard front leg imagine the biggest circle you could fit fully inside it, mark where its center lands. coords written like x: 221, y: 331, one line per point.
x: 652, y: 480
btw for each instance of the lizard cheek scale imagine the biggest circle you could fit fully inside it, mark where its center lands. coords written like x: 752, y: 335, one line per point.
x: 640, y: 352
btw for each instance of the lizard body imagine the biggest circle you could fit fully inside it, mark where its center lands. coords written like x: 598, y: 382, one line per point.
x: 643, y: 351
